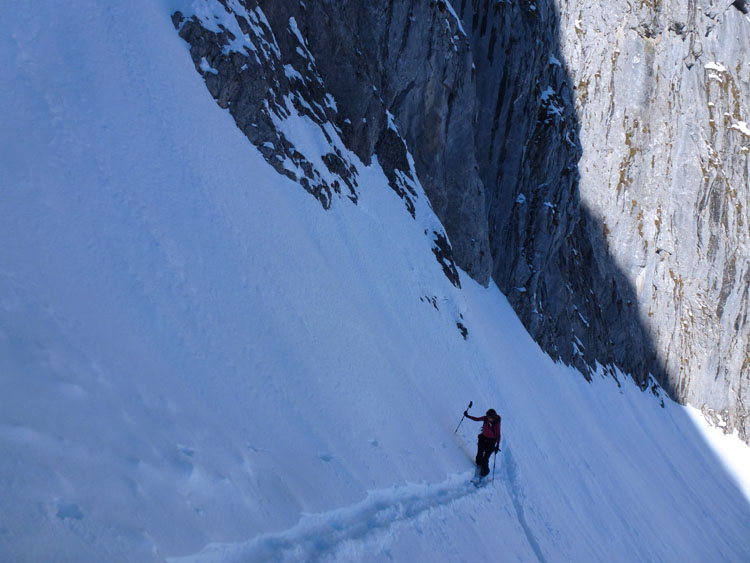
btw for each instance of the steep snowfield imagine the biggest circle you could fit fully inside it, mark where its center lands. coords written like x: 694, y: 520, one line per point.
x: 198, y: 363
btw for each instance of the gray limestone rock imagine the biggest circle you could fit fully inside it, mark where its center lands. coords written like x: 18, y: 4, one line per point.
x: 639, y: 152
x: 412, y: 60
x: 591, y: 158
x: 264, y: 61
x: 663, y: 100
x: 549, y: 251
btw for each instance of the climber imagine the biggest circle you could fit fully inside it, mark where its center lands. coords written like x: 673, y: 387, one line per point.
x: 488, y: 440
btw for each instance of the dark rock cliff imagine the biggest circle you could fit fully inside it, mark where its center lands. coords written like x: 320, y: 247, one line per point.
x: 409, y: 59
x: 482, y: 95
x: 548, y: 252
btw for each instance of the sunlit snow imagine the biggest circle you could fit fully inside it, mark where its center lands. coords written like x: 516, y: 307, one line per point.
x: 199, y: 363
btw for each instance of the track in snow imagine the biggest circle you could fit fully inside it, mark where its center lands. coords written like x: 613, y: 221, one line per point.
x: 317, y: 535
x: 511, y: 473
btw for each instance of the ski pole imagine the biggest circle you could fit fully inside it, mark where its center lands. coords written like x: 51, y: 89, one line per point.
x: 462, y: 418
x: 494, y: 459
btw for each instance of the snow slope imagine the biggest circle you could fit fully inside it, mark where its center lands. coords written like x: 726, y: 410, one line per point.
x: 200, y: 364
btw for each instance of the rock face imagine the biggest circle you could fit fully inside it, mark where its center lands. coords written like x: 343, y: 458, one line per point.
x: 663, y: 100
x: 410, y: 60
x: 347, y: 69
x: 652, y: 237
x: 591, y: 160
x: 550, y: 256
x: 645, y: 232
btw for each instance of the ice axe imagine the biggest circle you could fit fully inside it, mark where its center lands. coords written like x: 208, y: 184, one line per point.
x: 462, y: 418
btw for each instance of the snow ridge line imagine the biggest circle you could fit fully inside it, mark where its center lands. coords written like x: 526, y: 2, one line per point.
x: 317, y: 535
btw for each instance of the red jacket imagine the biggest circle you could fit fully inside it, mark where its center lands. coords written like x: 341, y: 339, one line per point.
x: 489, y: 430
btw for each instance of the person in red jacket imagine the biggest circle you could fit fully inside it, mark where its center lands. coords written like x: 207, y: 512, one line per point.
x: 489, y: 439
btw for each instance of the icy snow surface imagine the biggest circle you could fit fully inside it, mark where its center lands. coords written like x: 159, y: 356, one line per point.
x: 198, y: 363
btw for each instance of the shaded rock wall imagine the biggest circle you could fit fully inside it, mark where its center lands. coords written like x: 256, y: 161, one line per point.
x: 412, y: 60
x: 663, y: 100
x: 549, y: 253
x: 645, y: 234
x: 592, y: 160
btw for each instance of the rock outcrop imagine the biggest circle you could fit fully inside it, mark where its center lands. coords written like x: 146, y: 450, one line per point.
x: 592, y: 160
x: 663, y: 101
x: 411, y: 60
x: 647, y: 236
x: 549, y: 252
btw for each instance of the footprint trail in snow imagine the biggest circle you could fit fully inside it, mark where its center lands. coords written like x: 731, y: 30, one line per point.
x: 318, y: 535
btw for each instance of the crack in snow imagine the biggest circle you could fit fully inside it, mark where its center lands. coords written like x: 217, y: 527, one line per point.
x: 511, y: 473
